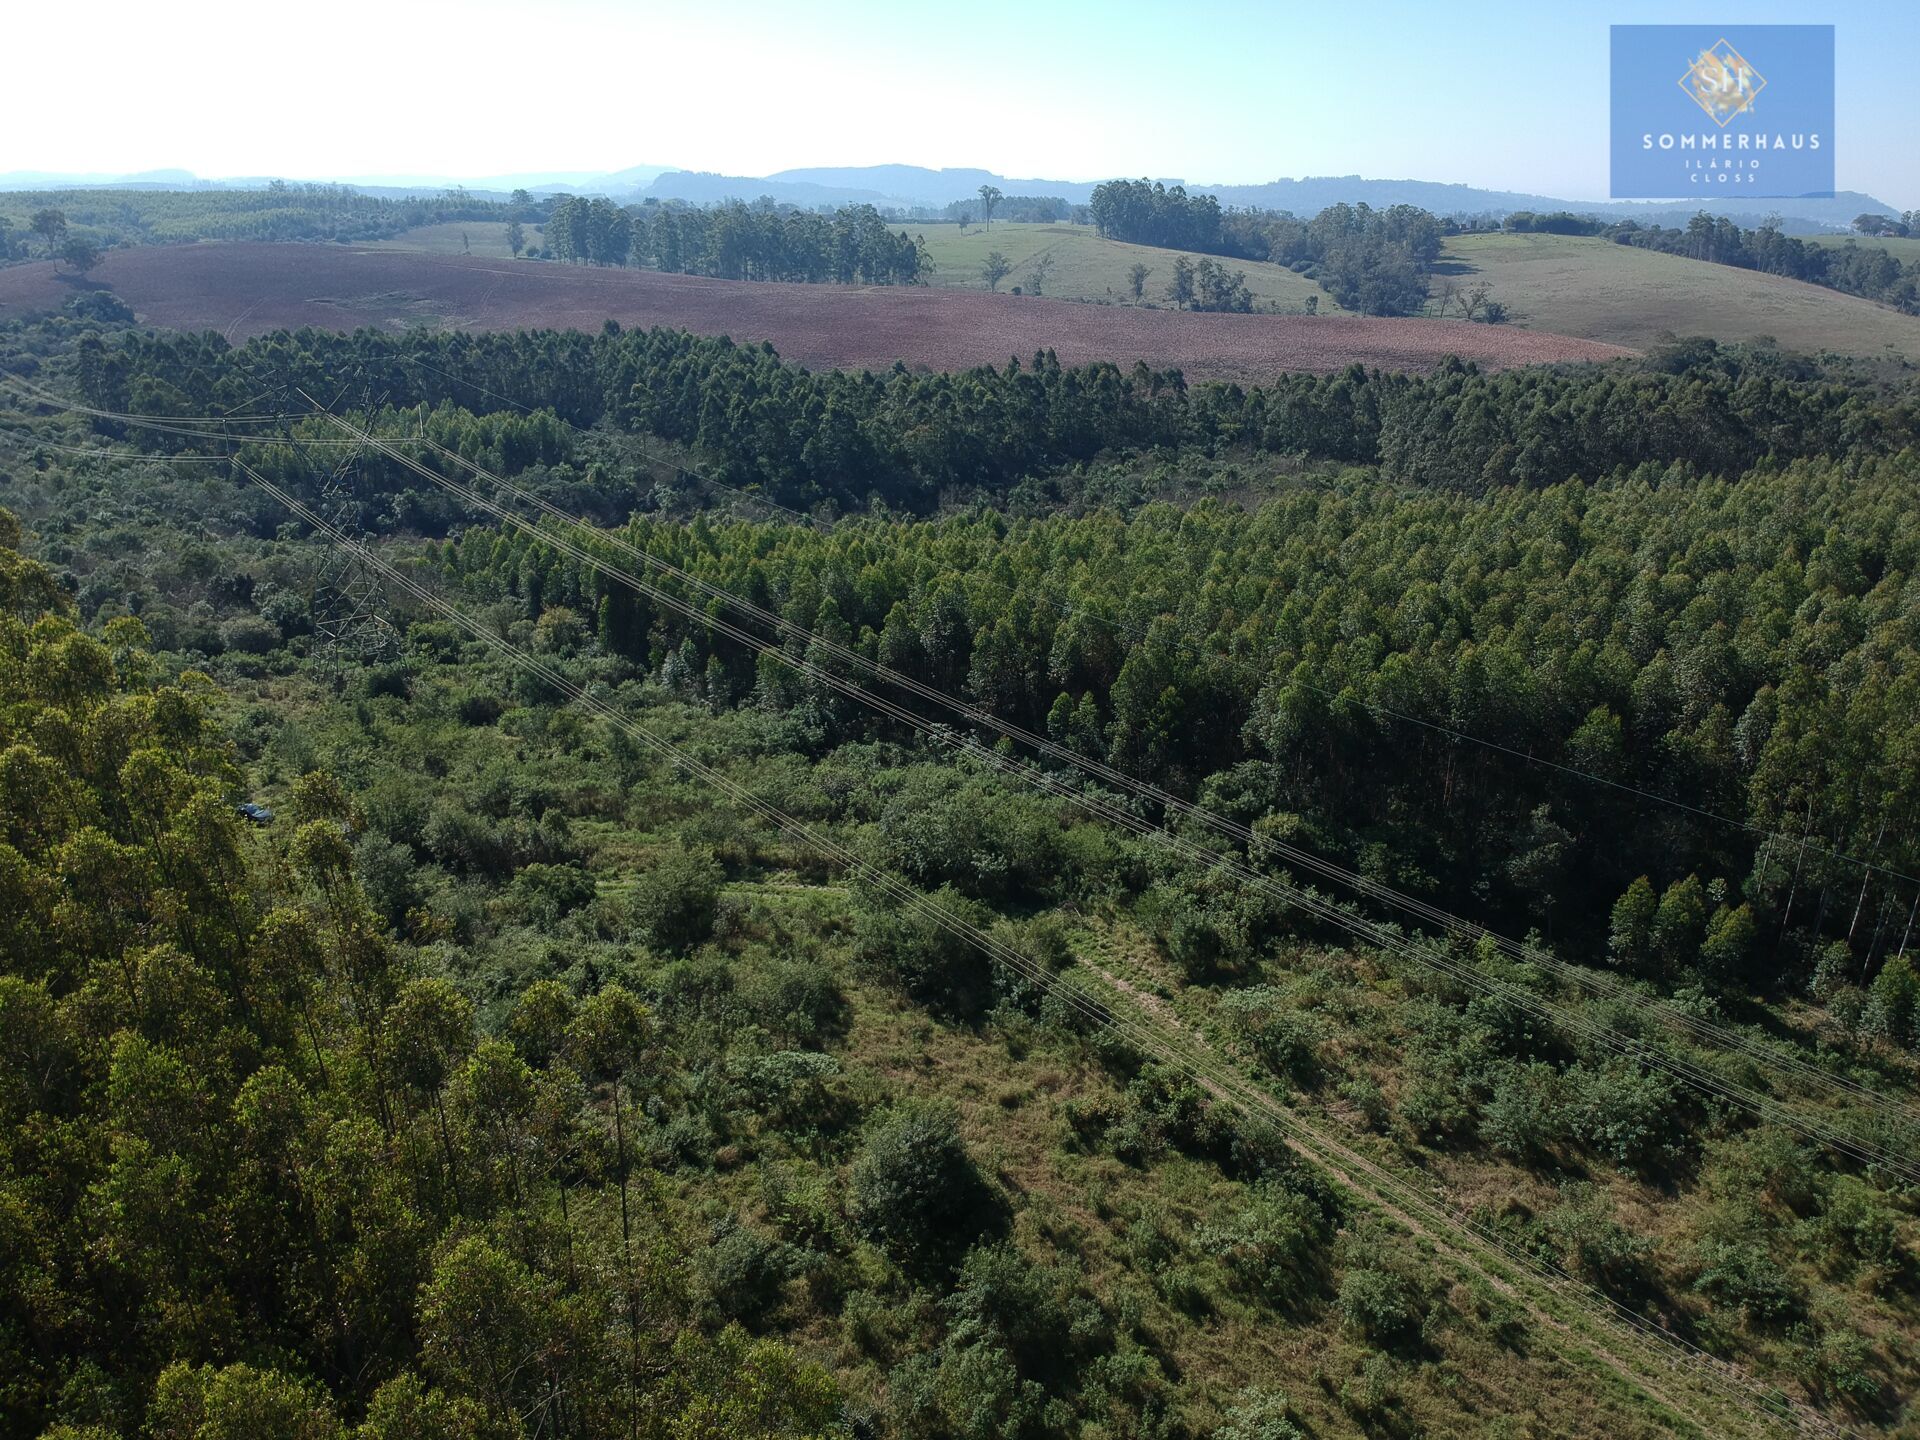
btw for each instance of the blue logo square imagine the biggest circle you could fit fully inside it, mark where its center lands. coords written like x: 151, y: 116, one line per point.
x: 1722, y: 110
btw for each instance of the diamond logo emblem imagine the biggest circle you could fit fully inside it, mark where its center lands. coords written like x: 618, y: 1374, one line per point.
x: 1722, y: 82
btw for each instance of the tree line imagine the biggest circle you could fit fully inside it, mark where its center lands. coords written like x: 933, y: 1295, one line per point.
x: 276, y: 212
x: 1675, y: 432
x: 735, y: 241
x: 1372, y: 261
x: 804, y: 437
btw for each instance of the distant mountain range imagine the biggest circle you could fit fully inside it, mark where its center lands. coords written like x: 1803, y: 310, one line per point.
x: 910, y: 186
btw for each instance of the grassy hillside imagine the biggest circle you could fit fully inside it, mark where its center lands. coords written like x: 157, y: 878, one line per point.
x: 1088, y: 267
x: 1598, y: 290
x: 1904, y: 248
x: 486, y: 238
x: 1085, y: 266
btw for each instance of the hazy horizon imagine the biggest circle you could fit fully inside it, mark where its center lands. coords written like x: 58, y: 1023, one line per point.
x: 1509, y: 98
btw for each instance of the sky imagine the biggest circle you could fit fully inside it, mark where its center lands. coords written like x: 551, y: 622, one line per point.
x: 1494, y: 93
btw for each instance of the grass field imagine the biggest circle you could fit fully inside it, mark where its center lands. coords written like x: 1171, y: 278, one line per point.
x: 1598, y: 290
x: 1088, y: 267
x: 1904, y: 248
x: 1085, y: 266
x: 485, y: 238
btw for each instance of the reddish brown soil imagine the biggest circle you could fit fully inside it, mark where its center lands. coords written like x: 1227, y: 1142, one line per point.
x: 245, y: 290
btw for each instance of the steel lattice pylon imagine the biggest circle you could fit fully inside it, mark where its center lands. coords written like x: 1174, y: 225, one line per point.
x: 347, y: 595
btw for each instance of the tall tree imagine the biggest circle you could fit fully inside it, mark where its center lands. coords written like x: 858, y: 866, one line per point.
x: 989, y: 201
x: 51, y: 226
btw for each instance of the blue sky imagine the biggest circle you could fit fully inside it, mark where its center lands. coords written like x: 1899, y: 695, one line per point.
x: 1506, y: 95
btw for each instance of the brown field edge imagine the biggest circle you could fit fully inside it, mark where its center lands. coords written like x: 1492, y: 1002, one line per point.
x: 243, y: 290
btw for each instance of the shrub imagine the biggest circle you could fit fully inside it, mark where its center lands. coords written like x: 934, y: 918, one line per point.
x: 1525, y: 1116
x: 1380, y: 1305
x: 1269, y: 1244
x: 100, y: 305
x: 1857, y: 1227
x: 1679, y: 924
x: 1260, y: 1414
x: 478, y: 707
x: 1590, y: 1241
x: 1835, y: 1362
x: 674, y: 903
x: 931, y: 963
x: 1626, y: 1114
x: 388, y: 877
x: 1893, y: 1003
x: 743, y: 1271
x: 975, y: 837
x: 545, y: 893
x: 1740, y: 1274
x: 249, y: 635
x: 916, y: 1192
x: 794, y: 999
x: 1279, y: 1035
x: 1004, y: 1300
x: 1630, y: 935
x: 239, y: 1400
x: 1435, y: 1104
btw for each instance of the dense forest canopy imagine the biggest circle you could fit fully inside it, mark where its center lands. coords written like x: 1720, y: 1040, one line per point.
x: 503, y: 1017
x: 1275, y: 660
x: 909, y: 440
x: 260, y: 1166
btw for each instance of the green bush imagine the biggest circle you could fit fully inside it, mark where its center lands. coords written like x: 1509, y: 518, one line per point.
x: 674, y: 903
x: 1269, y: 1246
x: 1628, y: 1115
x: 916, y: 1192
x: 1588, y: 1240
x: 1741, y: 1275
x: 1281, y: 1037
x: 743, y: 1271
x: 1893, y: 1003
x: 1856, y: 1227
x: 1380, y: 1305
x: 1526, y: 1115
x: 933, y: 965
x: 249, y: 635
x: 1260, y: 1414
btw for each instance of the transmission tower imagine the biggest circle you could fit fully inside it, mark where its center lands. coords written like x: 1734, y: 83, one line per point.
x: 347, y: 597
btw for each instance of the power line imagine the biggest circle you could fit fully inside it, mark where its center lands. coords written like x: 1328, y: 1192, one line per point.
x: 1134, y: 632
x: 1685, y: 1070
x: 1257, y: 1104
x: 1694, y: 1025
x: 402, y: 580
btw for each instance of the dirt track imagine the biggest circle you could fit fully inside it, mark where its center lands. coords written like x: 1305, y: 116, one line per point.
x: 244, y: 290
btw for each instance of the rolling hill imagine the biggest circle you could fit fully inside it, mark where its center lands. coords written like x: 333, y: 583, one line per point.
x: 1087, y: 266
x: 243, y: 290
x: 1598, y: 290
